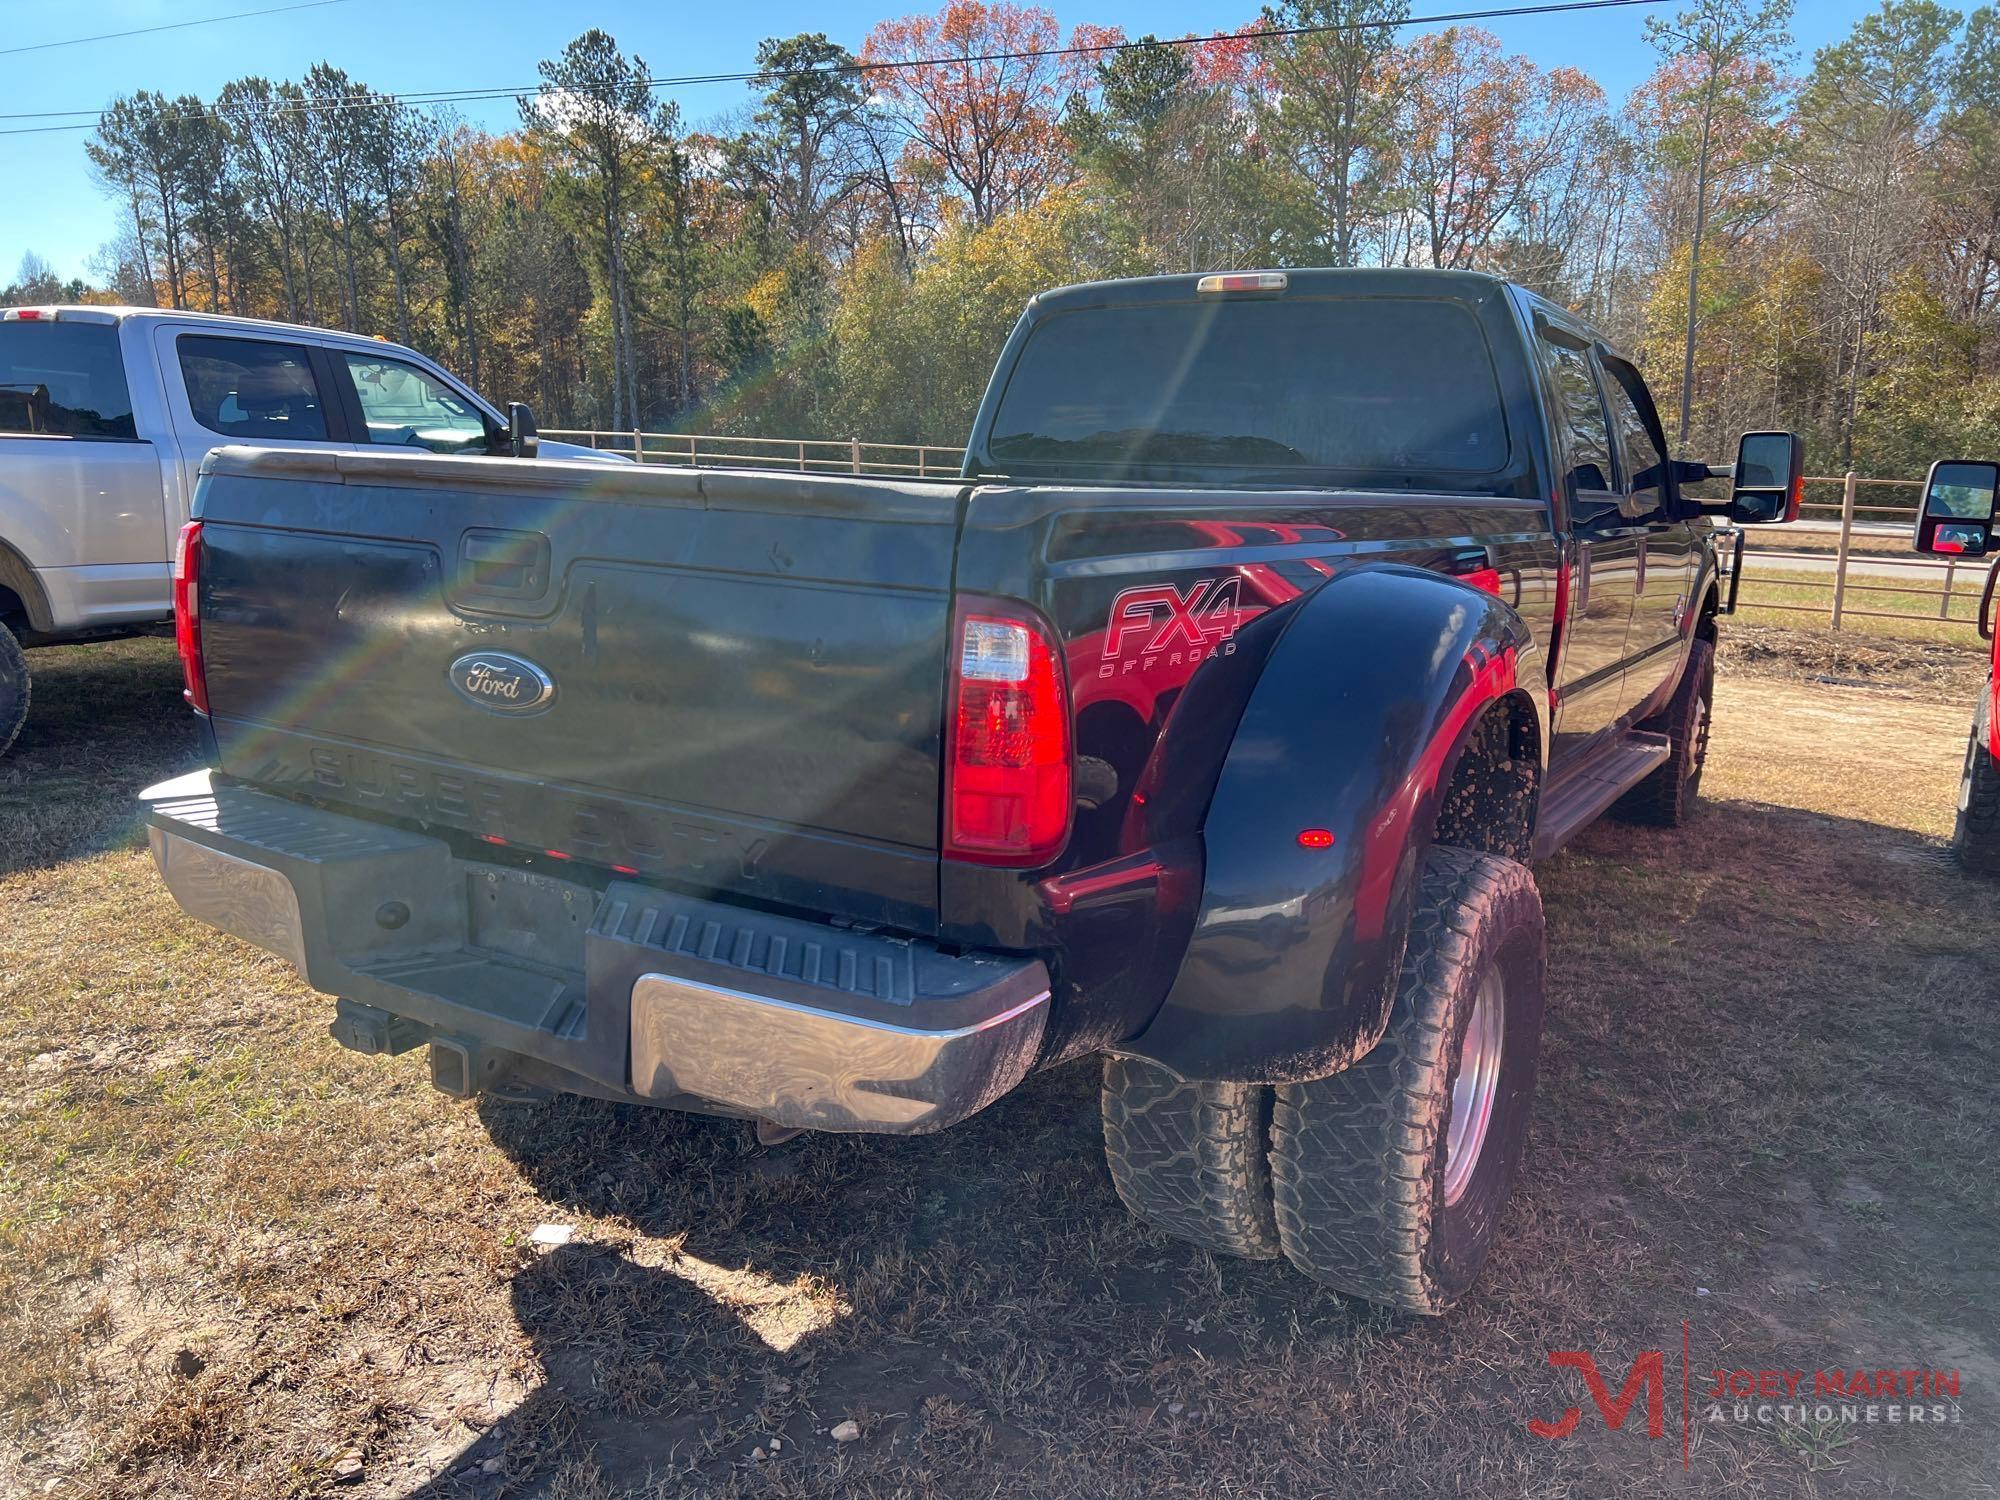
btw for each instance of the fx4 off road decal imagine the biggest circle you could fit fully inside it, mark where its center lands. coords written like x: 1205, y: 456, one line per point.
x: 1157, y: 625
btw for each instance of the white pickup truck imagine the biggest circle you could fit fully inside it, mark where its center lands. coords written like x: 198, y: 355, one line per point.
x: 106, y: 414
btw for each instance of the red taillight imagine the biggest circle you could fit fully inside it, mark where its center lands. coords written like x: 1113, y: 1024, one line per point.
x: 187, y: 615
x: 1486, y: 580
x: 1007, y: 794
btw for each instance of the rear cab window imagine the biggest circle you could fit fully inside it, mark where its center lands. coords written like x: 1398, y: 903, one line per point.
x: 1339, y: 390
x: 261, y: 389
x: 61, y: 379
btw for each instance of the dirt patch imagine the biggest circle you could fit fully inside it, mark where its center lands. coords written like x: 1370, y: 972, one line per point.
x: 1855, y: 658
x: 1766, y: 1110
x: 1845, y: 755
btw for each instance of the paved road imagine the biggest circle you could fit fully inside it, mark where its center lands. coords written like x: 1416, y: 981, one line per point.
x: 1832, y: 527
x: 1919, y: 572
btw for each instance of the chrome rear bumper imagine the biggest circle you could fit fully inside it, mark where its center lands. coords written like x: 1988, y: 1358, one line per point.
x: 814, y: 1069
x: 657, y: 997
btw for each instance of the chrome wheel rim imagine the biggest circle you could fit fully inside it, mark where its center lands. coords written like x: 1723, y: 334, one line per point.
x: 1476, y: 1090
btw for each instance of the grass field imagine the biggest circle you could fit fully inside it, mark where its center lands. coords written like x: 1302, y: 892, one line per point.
x: 238, y: 1261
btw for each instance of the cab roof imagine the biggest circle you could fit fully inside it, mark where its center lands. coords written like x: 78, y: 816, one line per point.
x: 1302, y: 281
x: 78, y: 312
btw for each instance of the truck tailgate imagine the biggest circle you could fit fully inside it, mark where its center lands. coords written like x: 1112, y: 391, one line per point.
x: 728, y: 680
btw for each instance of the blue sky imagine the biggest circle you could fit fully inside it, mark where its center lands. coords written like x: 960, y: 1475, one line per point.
x: 55, y: 210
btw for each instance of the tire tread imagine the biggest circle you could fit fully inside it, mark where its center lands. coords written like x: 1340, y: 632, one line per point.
x: 1666, y: 798
x: 13, y: 701
x: 1352, y: 1157
x: 1189, y: 1158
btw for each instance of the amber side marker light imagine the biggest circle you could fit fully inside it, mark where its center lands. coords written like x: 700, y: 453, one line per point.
x: 1243, y: 281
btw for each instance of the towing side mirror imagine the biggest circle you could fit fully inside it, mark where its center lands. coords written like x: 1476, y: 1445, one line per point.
x: 523, y: 438
x: 1769, y: 479
x: 1960, y: 496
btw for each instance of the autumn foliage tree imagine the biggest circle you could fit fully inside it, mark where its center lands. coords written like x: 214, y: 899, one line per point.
x: 981, y: 97
x: 1328, y: 110
x: 597, y: 113
x: 1166, y: 135
x: 841, y: 254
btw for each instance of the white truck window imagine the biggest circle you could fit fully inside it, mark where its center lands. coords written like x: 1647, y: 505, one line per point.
x: 252, y: 388
x: 405, y: 407
x: 63, y: 380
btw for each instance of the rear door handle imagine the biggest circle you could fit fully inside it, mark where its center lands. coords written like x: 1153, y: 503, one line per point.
x: 503, y: 564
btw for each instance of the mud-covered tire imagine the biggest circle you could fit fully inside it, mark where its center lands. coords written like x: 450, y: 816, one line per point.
x: 1975, y: 838
x: 1666, y: 798
x: 1358, y: 1160
x: 14, y: 688
x: 1189, y: 1158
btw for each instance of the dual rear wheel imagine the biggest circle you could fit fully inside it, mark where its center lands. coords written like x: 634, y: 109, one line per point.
x: 1385, y: 1181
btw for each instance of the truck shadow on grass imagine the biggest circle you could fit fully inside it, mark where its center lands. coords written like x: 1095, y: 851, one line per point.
x: 1761, y: 1111
x: 731, y: 1294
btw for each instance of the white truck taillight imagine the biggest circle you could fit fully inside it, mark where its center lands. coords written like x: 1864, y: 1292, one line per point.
x: 1007, y: 787
x: 187, y: 615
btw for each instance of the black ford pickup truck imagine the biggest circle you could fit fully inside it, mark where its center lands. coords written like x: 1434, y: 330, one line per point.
x: 1207, y: 723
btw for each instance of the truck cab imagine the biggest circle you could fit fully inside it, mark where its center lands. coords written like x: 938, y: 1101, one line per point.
x: 106, y: 414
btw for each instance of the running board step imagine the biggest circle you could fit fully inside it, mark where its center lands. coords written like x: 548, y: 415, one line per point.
x: 1600, y: 779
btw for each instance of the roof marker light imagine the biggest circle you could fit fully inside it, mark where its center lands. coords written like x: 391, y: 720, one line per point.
x: 1243, y: 281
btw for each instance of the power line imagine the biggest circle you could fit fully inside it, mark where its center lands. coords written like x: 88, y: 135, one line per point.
x: 112, y: 36
x: 1093, y: 49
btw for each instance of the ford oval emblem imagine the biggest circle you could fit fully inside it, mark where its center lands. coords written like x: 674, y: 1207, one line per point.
x: 502, y: 682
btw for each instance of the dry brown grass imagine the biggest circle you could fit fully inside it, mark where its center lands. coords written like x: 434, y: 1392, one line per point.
x: 232, y: 1255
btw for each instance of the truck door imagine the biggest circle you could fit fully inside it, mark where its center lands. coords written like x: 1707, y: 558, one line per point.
x: 79, y: 480
x: 1667, y: 550
x: 238, y: 385
x: 1602, y: 548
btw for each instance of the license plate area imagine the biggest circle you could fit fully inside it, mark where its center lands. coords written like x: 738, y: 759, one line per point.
x: 530, y: 917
